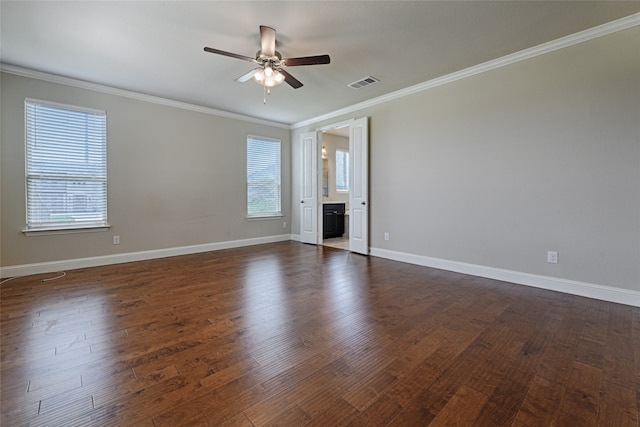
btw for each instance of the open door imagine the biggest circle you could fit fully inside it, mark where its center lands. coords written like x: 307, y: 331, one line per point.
x: 309, y: 191
x: 359, y: 186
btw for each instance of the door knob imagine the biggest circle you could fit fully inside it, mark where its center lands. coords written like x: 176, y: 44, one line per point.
x: 363, y: 203
x: 301, y: 201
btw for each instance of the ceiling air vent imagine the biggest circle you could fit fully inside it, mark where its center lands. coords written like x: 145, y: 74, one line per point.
x: 363, y: 82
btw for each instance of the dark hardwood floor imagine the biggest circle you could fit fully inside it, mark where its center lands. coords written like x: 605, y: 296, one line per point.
x: 291, y: 334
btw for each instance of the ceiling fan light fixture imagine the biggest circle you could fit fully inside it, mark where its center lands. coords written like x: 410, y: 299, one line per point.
x: 269, y: 77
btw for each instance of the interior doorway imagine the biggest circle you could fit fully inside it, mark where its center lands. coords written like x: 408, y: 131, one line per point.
x: 312, y: 201
x: 334, y: 169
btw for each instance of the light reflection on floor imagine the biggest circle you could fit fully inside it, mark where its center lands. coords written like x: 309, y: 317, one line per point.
x: 55, y: 351
x: 69, y: 357
x: 266, y: 306
x: 337, y: 242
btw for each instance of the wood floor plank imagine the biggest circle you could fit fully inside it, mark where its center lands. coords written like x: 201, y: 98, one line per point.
x: 462, y: 409
x: 293, y: 416
x: 432, y: 367
x: 540, y: 404
x: 339, y: 413
x: 187, y: 415
x: 240, y: 420
x: 618, y: 406
x: 291, y: 391
x: 369, y: 391
x: 379, y: 414
x: 619, y: 370
x: 590, y: 352
x: 503, y: 405
x: 294, y: 334
x: 327, y: 398
x: 579, y: 404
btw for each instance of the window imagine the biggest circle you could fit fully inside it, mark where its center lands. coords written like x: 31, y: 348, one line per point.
x: 66, y: 167
x: 263, y: 177
x: 342, y: 170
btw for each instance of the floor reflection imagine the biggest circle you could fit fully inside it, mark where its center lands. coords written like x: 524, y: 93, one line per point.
x: 346, y: 298
x: 337, y: 242
x: 266, y: 300
x: 48, y: 347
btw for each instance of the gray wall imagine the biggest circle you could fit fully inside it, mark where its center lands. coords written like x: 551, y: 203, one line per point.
x: 497, y: 169
x: 175, y: 177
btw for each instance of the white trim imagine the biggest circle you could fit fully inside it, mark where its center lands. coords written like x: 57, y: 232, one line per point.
x: 52, y: 78
x: 342, y: 124
x: 70, y: 264
x: 264, y: 138
x: 570, y: 40
x: 589, y: 290
x: 61, y: 106
x: 69, y: 229
x: 264, y: 217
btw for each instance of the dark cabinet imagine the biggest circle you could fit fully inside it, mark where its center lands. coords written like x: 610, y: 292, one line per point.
x: 333, y: 220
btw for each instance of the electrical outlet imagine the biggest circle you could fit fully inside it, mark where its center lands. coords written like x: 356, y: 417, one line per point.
x: 552, y: 257
x: 284, y: 224
x: 386, y: 236
x: 116, y: 240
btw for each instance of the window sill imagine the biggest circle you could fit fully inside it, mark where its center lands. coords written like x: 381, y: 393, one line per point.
x: 264, y: 217
x: 46, y: 231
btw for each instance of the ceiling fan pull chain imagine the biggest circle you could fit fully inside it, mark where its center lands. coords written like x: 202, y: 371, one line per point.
x: 266, y: 91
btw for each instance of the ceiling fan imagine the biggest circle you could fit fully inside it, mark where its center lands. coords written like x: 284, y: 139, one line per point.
x: 270, y: 71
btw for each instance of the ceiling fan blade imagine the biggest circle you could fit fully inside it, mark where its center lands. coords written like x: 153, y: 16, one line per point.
x: 307, y: 60
x: 267, y: 40
x: 232, y: 55
x: 247, y: 76
x: 291, y: 81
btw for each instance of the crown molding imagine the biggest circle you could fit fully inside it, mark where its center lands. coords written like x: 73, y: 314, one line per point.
x: 67, y: 81
x: 561, y: 43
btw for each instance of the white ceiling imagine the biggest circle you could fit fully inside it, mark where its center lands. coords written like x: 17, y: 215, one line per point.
x: 156, y: 47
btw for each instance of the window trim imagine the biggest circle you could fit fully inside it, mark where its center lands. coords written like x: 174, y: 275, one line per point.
x: 67, y: 228
x: 262, y: 215
x: 47, y: 231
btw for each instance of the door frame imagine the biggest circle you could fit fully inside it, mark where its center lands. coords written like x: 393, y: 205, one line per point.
x: 320, y: 131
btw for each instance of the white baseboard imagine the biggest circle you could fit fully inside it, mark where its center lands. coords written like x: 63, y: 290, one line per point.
x: 589, y: 290
x: 70, y: 264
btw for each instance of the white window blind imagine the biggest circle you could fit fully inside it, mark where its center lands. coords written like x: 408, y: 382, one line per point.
x: 263, y: 177
x: 342, y: 170
x: 66, y: 166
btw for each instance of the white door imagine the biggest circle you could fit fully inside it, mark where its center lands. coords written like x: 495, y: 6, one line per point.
x: 359, y: 186
x: 309, y: 191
